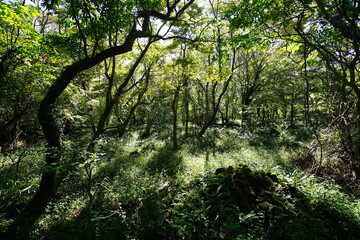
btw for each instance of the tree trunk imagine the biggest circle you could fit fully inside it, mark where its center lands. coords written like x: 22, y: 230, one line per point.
x: 7, y: 133
x: 122, y: 127
x: 174, y: 106
x: 244, y: 116
x: 112, y: 102
x: 216, y: 102
x: 47, y: 187
x: 292, y: 114
x: 212, y: 117
x: 307, y: 89
x: 186, y: 106
x: 207, y: 104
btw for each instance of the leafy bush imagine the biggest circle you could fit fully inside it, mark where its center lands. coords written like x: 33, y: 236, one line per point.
x: 236, y: 203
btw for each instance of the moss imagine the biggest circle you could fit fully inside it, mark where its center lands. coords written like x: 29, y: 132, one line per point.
x: 230, y: 170
x: 273, y: 177
x: 219, y: 171
x: 245, y: 188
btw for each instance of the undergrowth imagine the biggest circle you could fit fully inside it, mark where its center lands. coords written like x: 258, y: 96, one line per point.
x: 141, y: 189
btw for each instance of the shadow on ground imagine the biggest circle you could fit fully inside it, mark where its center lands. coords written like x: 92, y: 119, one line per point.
x: 165, y: 161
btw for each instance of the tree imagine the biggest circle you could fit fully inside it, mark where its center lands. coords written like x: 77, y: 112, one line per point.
x: 111, y: 101
x: 95, y: 21
x: 327, y: 31
x: 220, y: 67
x: 327, y: 27
x: 22, y: 66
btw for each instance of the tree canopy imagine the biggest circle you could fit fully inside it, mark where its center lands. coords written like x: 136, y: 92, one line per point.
x: 77, y: 76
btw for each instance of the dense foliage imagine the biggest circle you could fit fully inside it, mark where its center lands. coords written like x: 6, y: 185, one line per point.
x: 172, y: 119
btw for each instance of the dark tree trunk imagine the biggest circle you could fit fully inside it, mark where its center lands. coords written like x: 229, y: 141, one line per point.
x: 113, y: 101
x: 51, y: 131
x: 211, y: 119
x: 226, y: 117
x: 307, y: 89
x: 7, y: 134
x: 122, y: 127
x: 263, y: 116
x: 244, y: 116
x: 186, y: 106
x: 292, y: 114
x: 21, y: 225
x: 5, y: 63
x: 174, y: 107
x: 216, y: 102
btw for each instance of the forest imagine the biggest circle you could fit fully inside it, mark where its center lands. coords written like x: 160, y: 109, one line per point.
x: 179, y: 119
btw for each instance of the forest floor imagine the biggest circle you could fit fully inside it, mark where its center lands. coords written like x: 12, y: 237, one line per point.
x: 229, y: 185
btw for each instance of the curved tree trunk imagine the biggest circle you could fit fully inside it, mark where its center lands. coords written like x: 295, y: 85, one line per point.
x: 122, y: 127
x: 211, y: 119
x: 26, y: 219
x: 111, y: 103
x: 22, y: 224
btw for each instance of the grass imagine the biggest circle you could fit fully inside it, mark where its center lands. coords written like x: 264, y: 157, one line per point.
x: 144, y: 190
